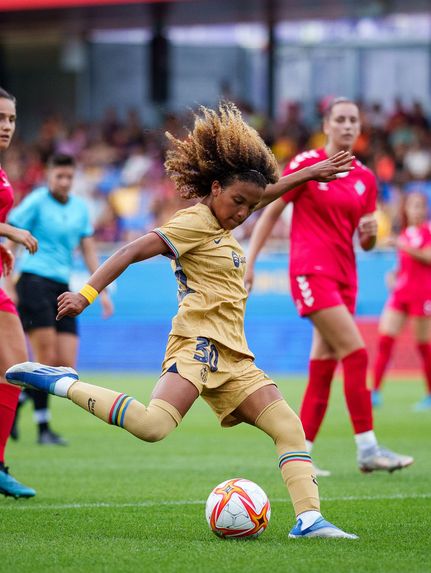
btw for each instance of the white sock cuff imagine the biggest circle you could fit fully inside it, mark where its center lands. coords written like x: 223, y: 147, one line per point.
x: 42, y: 416
x: 308, y: 518
x: 366, y: 440
x: 309, y: 445
x: 62, y: 386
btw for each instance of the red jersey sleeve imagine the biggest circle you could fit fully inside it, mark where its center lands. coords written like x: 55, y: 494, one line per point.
x: 299, y: 162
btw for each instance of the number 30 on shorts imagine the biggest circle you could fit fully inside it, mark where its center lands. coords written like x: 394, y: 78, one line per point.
x: 208, y: 353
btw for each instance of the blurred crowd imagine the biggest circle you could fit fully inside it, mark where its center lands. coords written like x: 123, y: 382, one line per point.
x: 120, y: 162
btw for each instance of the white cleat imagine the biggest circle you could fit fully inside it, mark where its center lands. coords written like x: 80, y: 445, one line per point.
x: 319, y: 472
x: 383, y: 460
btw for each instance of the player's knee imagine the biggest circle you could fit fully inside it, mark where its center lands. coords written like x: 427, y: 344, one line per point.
x: 154, y: 434
x: 155, y: 423
x: 281, y: 423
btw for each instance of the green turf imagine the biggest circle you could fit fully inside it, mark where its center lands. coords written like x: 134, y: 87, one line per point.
x: 109, y: 503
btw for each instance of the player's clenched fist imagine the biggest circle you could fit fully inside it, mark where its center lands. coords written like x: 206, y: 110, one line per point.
x: 71, y: 304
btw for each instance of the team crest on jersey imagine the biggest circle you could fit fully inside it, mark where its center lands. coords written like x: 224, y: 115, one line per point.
x: 360, y: 187
x: 237, y: 260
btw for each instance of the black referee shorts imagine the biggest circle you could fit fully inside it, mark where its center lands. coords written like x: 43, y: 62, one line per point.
x: 37, y: 304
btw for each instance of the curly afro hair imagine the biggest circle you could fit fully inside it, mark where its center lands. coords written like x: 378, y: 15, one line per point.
x: 221, y: 147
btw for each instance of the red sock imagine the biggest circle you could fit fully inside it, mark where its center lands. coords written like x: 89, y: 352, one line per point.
x: 316, y: 396
x: 358, y: 397
x: 384, y: 352
x: 8, y: 402
x: 425, y: 352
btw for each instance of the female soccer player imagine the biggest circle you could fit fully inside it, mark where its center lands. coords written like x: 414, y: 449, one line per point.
x: 61, y: 223
x: 324, y: 283
x: 12, y: 347
x: 411, y: 295
x: 224, y: 163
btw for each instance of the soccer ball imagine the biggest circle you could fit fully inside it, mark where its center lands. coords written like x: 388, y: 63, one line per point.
x: 238, y: 508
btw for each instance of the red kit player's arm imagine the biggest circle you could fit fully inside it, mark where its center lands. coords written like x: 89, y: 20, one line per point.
x: 325, y: 170
x: 422, y: 255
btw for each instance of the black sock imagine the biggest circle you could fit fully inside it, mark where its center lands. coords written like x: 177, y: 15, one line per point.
x: 43, y: 427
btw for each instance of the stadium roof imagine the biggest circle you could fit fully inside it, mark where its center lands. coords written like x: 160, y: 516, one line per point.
x: 90, y: 14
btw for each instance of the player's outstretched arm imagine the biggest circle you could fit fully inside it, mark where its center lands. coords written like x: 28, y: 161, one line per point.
x: 259, y: 236
x: 20, y: 236
x: 325, y: 170
x: 146, y: 247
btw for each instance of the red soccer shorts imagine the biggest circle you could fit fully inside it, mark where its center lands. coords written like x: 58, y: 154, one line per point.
x: 315, y: 292
x: 6, y: 304
x: 409, y: 305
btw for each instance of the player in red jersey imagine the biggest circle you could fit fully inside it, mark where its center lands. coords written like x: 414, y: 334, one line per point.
x: 12, y: 347
x: 411, y: 296
x: 324, y: 283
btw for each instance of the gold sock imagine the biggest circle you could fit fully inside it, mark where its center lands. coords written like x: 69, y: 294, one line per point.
x: 150, y: 424
x: 280, y: 422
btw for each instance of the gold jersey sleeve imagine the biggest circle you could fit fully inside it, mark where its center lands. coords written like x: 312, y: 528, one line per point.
x: 209, y: 267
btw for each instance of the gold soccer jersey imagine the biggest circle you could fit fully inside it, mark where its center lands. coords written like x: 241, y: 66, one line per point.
x: 209, y: 266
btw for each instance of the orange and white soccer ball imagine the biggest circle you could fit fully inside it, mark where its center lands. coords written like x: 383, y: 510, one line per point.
x: 238, y: 508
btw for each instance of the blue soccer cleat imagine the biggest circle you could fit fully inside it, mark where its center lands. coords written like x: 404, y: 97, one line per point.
x: 320, y: 528
x: 376, y: 399
x: 9, y: 486
x: 54, y: 380
x: 423, y: 405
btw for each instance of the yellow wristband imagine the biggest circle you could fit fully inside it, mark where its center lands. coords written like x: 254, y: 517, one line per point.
x: 89, y: 292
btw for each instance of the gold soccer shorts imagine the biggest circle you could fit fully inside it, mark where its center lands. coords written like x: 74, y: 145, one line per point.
x: 223, y: 377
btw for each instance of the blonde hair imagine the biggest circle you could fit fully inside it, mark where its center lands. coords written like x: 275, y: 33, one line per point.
x: 220, y: 147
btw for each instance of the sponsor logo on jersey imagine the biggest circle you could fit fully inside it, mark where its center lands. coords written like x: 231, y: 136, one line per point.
x: 204, y: 374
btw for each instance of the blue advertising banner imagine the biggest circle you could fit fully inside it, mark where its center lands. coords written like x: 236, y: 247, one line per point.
x: 145, y: 302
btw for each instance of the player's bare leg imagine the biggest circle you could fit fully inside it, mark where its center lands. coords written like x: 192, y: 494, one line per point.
x: 171, y: 399
x: 267, y: 410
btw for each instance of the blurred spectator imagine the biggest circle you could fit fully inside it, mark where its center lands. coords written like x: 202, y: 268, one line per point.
x: 120, y: 161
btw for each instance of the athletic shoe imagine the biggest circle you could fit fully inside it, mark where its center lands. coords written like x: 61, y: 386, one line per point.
x: 383, y: 459
x: 12, y: 487
x: 424, y: 404
x: 376, y: 399
x: 40, y: 377
x: 318, y: 472
x: 320, y: 528
x: 50, y: 438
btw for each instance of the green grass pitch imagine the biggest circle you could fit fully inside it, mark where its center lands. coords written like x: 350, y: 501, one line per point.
x: 109, y: 503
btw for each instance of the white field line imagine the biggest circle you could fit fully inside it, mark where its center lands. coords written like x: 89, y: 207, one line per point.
x: 112, y: 505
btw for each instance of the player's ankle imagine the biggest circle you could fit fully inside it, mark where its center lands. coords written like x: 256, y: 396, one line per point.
x: 63, y: 385
x: 309, y: 517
